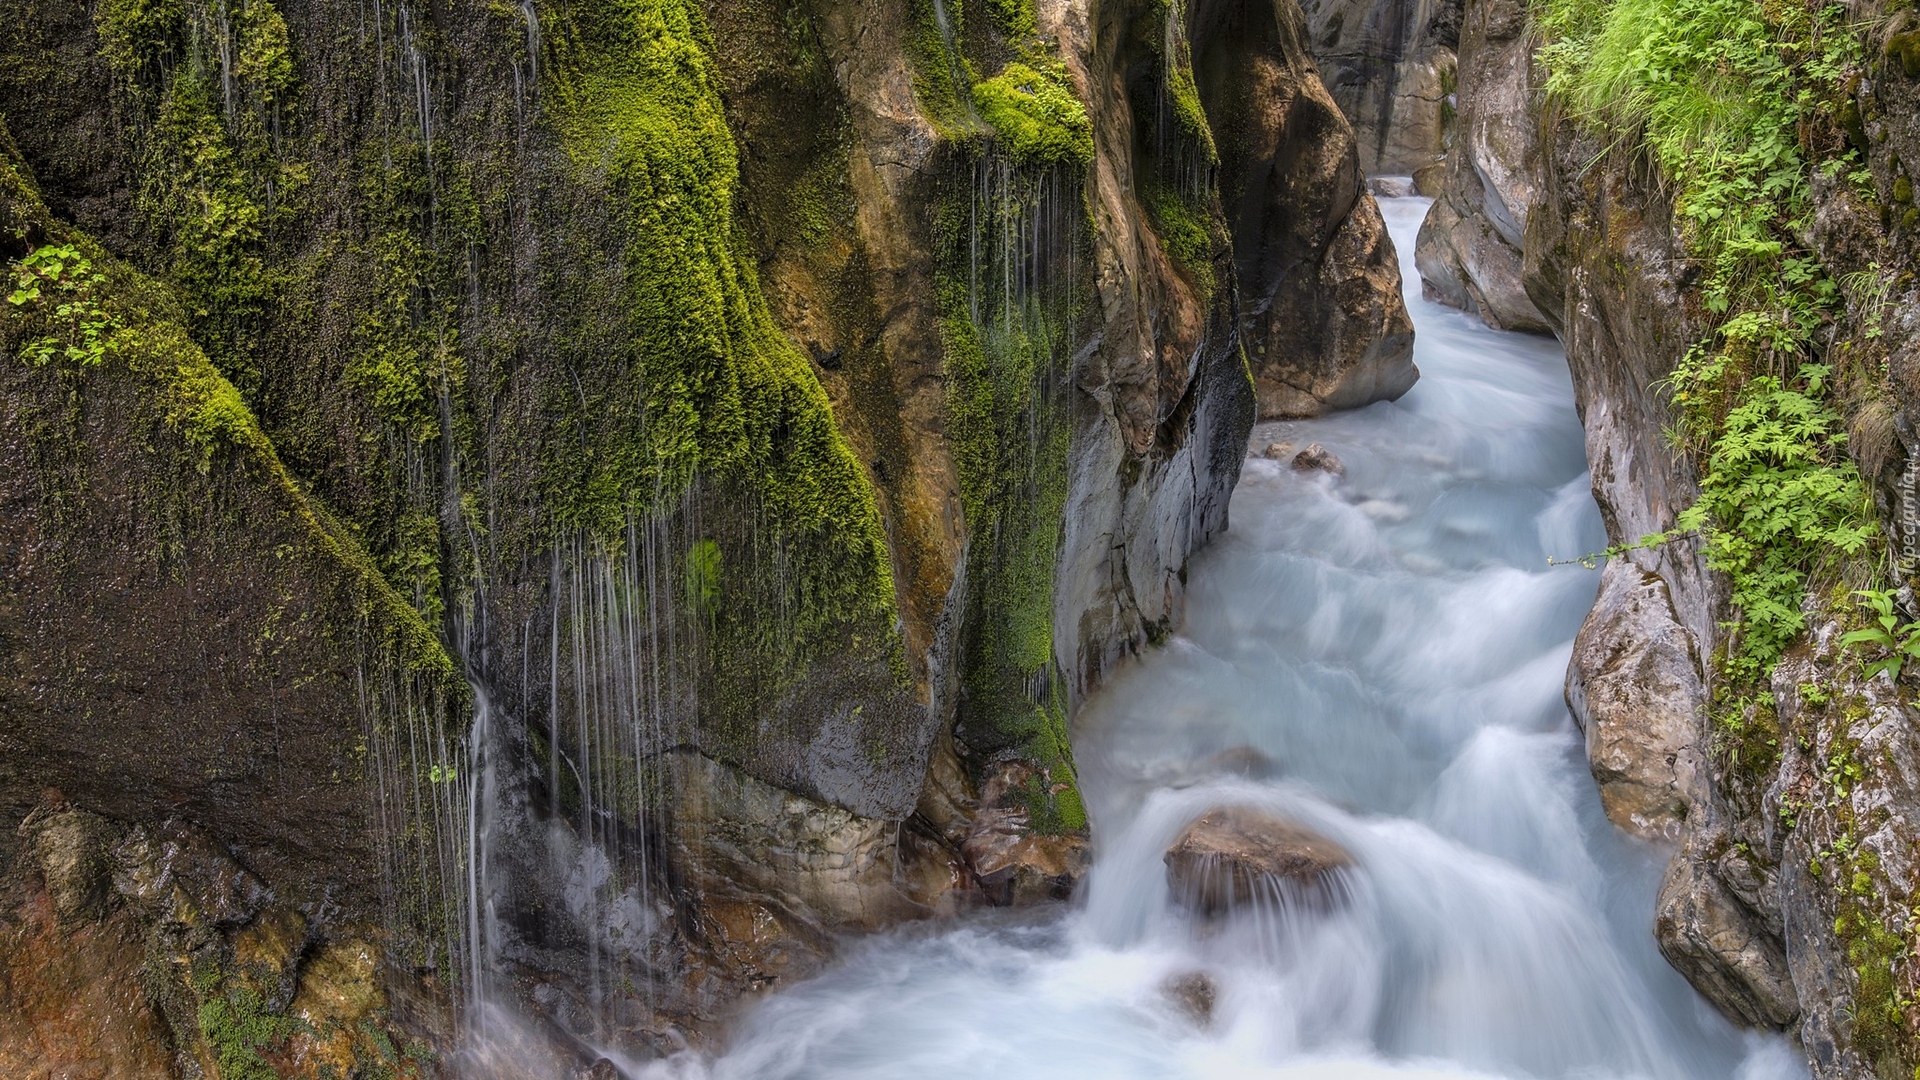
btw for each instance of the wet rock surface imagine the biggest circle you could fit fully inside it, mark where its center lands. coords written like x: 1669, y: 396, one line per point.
x: 1012, y: 863
x: 1235, y: 857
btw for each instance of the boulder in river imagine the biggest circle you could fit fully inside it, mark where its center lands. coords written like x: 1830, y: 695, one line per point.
x: 1235, y: 854
x: 1277, y: 451
x: 1194, y: 992
x: 1317, y: 458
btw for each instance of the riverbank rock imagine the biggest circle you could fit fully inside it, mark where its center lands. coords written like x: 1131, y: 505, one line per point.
x: 1723, y: 948
x: 1234, y: 854
x: 1013, y: 863
x: 1634, y: 687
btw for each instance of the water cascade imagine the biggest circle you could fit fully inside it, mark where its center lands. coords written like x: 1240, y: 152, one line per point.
x: 1374, y: 654
x: 563, y: 812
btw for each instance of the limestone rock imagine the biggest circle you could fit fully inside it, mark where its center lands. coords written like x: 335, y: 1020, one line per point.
x: 1235, y: 855
x: 1279, y: 451
x: 1636, y: 687
x: 1325, y: 324
x: 1470, y: 248
x: 1388, y: 63
x: 1317, y: 458
x: 1722, y: 948
x: 827, y: 865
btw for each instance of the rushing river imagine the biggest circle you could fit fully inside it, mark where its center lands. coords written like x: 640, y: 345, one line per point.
x: 1378, y: 656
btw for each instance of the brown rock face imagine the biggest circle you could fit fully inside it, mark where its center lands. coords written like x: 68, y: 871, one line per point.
x: 1469, y: 249
x: 1389, y: 64
x: 1236, y: 856
x: 1324, y: 322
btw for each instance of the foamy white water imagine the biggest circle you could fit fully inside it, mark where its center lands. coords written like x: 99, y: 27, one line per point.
x: 1378, y: 657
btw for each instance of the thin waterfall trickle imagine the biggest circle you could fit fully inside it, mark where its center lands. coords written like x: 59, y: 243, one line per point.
x: 568, y: 809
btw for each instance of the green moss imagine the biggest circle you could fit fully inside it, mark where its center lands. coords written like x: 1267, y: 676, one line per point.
x: 214, y: 182
x: 714, y: 390
x: 137, y: 34
x: 1187, y: 233
x: 1188, y: 113
x: 1905, y: 48
x: 1035, y: 116
x: 1013, y: 18
x: 1009, y: 429
x: 237, y: 1027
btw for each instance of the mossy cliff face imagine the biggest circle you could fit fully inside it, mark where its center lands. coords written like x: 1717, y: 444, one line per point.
x: 1724, y: 709
x: 190, y: 637
x: 782, y: 414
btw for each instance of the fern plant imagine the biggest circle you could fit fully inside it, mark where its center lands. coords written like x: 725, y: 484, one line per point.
x: 1886, y: 633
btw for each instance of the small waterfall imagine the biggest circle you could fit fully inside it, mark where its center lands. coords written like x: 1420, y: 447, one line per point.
x: 564, y: 811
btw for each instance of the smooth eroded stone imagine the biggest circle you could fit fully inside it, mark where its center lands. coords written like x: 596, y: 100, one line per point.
x: 1237, y: 855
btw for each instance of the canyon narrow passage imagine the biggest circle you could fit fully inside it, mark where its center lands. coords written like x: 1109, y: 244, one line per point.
x: 1366, y: 694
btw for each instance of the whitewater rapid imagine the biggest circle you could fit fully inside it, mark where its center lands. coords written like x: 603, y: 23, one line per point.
x: 1377, y: 656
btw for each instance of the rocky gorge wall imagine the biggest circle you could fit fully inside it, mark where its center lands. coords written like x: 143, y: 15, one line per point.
x: 1742, y: 357
x: 563, y: 508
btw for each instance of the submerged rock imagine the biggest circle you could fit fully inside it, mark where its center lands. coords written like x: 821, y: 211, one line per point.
x: 1236, y: 854
x: 1317, y: 458
x: 1194, y: 993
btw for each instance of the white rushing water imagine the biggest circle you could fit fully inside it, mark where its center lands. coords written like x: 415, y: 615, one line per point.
x: 1378, y: 657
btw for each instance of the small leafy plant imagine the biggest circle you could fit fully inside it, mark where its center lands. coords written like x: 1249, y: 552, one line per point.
x: 1886, y: 633
x: 60, y: 284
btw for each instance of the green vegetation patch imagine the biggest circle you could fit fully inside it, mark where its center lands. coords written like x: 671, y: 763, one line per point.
x: 1036, y: 116
x: 1729, y: 98
x: 711, y: 388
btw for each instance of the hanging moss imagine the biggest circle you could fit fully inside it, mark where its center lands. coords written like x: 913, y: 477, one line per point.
x: 711, y: 388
